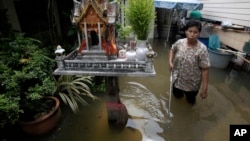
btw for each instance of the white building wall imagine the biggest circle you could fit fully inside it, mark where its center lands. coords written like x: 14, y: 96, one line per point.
x: 234, y: 11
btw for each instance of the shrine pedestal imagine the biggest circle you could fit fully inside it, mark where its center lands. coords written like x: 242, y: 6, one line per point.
x: 72, y: 64
x: 117, y: 111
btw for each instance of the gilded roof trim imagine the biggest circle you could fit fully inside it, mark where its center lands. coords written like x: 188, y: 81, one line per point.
x: 99, y: 10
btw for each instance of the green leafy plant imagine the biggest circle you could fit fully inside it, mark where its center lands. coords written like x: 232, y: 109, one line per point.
x: 9, y: 110
x: 124, y: 32
x: 140, y: 14
x: 98, y: 87
x: 74, y: 90
x: 26, y: 77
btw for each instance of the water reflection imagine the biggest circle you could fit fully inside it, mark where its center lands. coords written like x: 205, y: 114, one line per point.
x: 142, y: 103
x: 145, y: 110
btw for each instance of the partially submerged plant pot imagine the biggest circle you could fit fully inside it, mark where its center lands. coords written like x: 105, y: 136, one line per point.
x: 45, y: 123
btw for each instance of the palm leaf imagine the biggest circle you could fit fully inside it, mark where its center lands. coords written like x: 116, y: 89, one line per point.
x: 73, y: 89
x: 81, y: 100
x: 74, y: 102
x: 81, y: 84
x: 71, y: 101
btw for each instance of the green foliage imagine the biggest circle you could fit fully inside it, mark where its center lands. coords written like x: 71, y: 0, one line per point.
x: 9, y: 110
x: 74, y: 90
x: 26, y: 75
x: 124, y: 31
x: 140, y: 14
x: 98, y: 87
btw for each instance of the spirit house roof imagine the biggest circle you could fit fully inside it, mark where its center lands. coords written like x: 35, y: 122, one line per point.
x: 91, y: 13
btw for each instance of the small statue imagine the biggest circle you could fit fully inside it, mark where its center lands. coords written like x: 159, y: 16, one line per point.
x: 59, y: 56
x: 151, y: 53
x: 59, y: 50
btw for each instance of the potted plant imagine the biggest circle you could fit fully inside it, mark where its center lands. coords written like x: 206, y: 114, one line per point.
x: 140, y: 15
x: 74, y: 90
x: 123, y: 33
x: 27, y: 81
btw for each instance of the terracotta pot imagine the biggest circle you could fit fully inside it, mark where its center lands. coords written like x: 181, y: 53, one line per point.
x: 45, y: 123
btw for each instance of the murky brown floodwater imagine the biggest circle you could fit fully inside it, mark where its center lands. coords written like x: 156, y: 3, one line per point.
x: 150, y: 120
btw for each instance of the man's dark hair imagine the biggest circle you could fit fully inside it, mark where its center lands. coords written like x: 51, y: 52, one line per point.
x: 193, y: 23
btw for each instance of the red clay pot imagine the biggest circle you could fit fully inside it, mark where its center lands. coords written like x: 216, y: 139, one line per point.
x: 44, y: 124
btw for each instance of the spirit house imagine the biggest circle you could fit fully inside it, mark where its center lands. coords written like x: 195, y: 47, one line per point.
x: 97, y: 51
x: 97, y: 54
